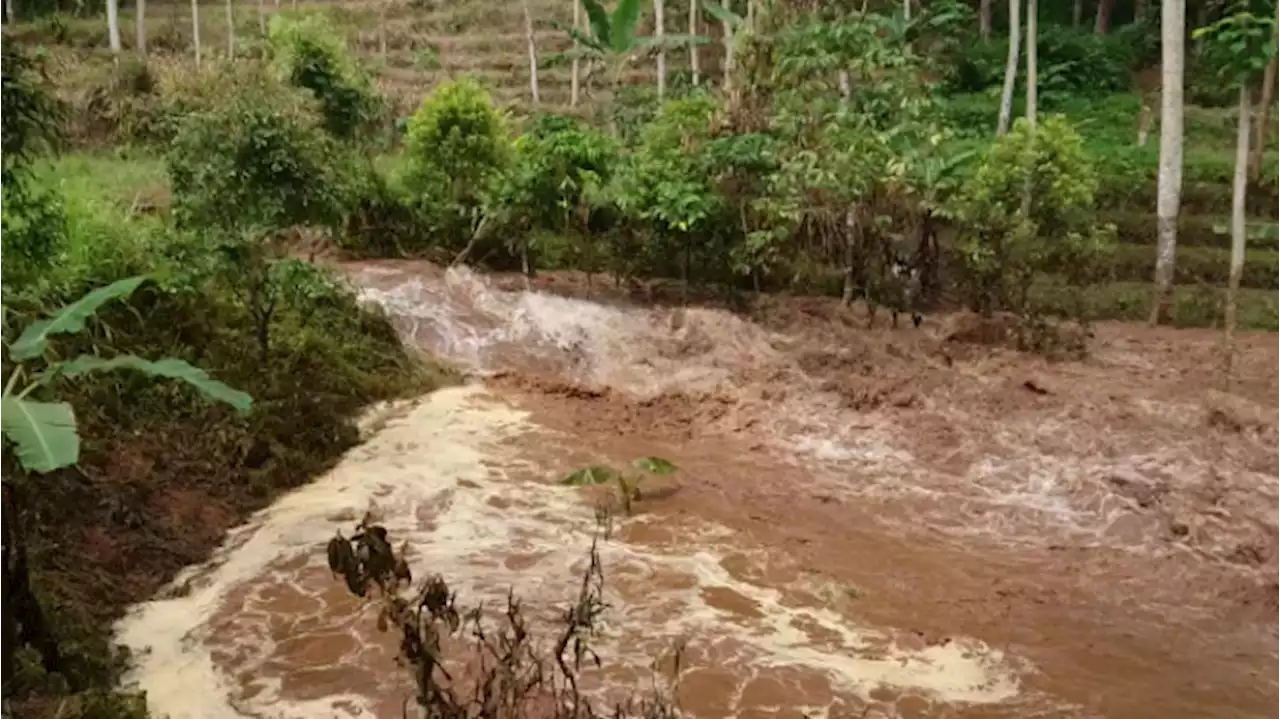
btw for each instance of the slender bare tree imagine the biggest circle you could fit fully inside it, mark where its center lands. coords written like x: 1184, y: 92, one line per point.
x: 729, y: 60
x: 113, y: 26
x: 984, y: 20
x: 1077, y: 13
x: 140, y: 28
x: 1239, y: 186
x: 693, y: 46
x: 231, y: 29
x: 1173, y: 21
x: 262, y: 17
x: 382, y: 28
x: 195, y: 29
x: 1032, y: 74
x: 1102, y: 21
x: 533, y: 53
x: 659, y: 34
x: 10, y: 12
x: 1262, y: 127
x: 906, y: 10
x: 575, y: 80
x: 1010, y: 69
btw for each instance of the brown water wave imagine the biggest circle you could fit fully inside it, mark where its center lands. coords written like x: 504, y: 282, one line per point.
x: 865, y: 522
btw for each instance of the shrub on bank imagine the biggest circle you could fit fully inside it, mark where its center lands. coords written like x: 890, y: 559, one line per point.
x: 259, y: 159
x: 457, y: 144
x: 309, y: 53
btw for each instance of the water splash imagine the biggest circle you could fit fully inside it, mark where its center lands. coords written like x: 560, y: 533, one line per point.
x: 264, y: 630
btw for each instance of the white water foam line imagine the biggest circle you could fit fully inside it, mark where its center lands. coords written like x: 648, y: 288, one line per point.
x: 445, y: 454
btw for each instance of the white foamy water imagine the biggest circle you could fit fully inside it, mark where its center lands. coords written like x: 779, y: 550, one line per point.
x: 441, y: 477
x: 1043, y: 480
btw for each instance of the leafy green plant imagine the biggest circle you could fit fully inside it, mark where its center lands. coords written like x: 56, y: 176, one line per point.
x: 611, y: 37
x: 557, y: 163
x: 43, y: 433
x: 34, y: 221
x: 457, y: 144
x: 1002, y: 248
x: 629, y: 486
x: 309, y: 53
x: 33, y: 229
x: 258, y: 160
x: 666, y: 184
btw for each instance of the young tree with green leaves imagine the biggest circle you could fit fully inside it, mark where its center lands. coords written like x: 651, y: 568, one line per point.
x: 1238, y: 47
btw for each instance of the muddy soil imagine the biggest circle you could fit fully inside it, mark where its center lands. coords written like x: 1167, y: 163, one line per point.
x: 1165, y: 606
x: 1023, y: 537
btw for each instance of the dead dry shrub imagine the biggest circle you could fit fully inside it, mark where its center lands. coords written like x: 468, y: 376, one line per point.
x: 468, y: 663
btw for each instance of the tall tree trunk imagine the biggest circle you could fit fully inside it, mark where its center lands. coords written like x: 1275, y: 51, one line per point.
x: 984, y: 20
x: 1102, y: 21
x: 1173, y: 21
x: 659, y: 33
x: 693, y: 46
x: 1010, y: 69
x: 9, y: 12
x: 1077, y: 13
x: 1032, y: 74
x: 195, y: 29
x: 382, y: 27
x: 533, y: 53
x: 140, y: 28
x: 262, y: 17
x: 1032, y: 104
x: 1262, y: 128
x: 113, y: 26
x: 1239, y: 186
x: 231, y: 30
x: 575, y: 80
x: 906, y: 10
x: 729, y: 59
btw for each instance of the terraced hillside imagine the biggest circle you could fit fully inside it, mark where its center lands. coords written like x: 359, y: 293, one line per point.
x: 417, y: 44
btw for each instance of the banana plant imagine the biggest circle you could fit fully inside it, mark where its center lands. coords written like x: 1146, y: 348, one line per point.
x: 628, y: 486
x: 611, y: 37
x: 44, y: 434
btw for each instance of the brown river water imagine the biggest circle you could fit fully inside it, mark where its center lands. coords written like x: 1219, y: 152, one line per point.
x: 877, y: 523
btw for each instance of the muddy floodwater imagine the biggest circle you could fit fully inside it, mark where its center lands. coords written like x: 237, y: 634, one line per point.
x: 878, y: 523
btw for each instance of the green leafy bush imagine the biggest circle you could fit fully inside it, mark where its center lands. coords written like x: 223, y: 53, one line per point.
x: 33, y: 230
x: 558, y: 162
x: 259, y: 160
x: 456, y: 145
x: 32, y: 220
x: 1027, y: 210
x: 309, y: 53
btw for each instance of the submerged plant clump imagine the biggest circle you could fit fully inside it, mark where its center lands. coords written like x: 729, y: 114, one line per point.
x: 499, y: 669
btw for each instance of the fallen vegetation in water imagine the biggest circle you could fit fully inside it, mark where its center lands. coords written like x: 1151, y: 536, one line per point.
x: 466, y: 662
